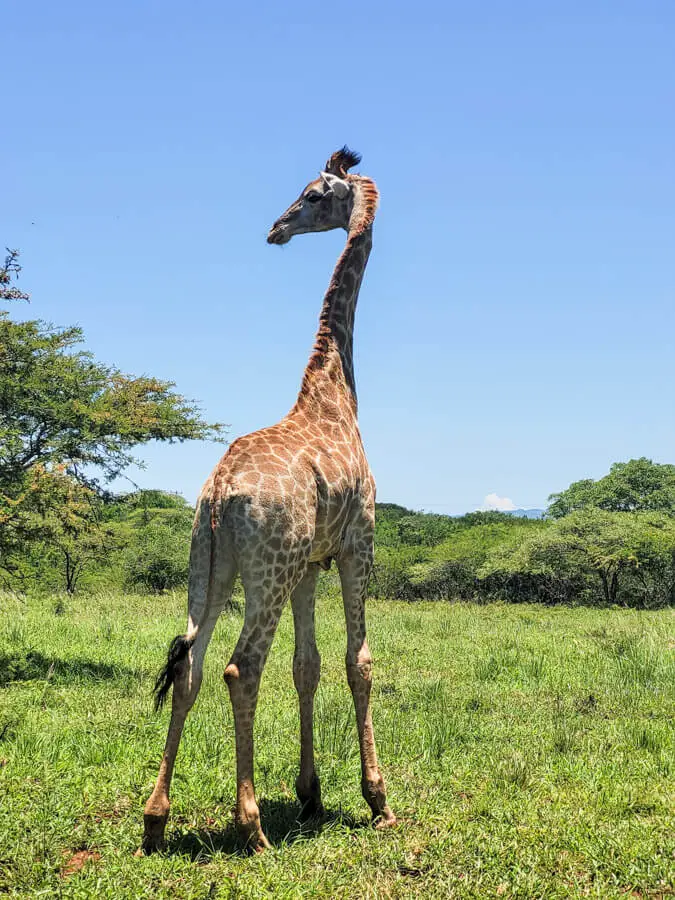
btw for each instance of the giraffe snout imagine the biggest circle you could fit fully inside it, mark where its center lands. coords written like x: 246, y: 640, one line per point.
x: 278, y: 233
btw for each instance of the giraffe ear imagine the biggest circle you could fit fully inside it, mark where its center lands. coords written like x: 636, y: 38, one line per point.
x: 342, y: 161
x: 337, y: 185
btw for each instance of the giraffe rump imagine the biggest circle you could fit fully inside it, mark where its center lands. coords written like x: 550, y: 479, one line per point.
x: 178, y: 651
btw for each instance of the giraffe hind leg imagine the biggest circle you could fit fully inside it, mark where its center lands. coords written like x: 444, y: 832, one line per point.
x: 208, y: 595
x: 184, y: 672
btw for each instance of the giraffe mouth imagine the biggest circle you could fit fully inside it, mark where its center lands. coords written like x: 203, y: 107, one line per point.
x: 279, y: 233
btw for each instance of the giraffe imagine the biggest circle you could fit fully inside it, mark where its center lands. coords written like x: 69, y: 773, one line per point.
x: 281, y: 503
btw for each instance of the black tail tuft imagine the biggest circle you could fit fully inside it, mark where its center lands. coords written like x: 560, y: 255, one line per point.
x: 179, y: 649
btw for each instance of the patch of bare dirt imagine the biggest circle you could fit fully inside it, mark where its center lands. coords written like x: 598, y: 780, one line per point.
x: 75, y: 861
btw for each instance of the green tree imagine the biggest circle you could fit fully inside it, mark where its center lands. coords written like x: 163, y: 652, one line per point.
x: 154, y: 527
x: 59, y: 405
x: 594, y: 555
x: 9, y: 272
x: 64, y: 415
x: 67, y: 526
x: 157, y: 556
x: 638, y: 484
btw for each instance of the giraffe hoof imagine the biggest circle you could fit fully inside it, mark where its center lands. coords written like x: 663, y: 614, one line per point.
x: 312, y: 808
x: 153, y: 837
x: 386, y: 819
x: 309, y: 796
x: 261, y: 844
x: 256, y: 842
x: 253, y: 837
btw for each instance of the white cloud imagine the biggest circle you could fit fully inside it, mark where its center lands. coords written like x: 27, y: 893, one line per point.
x: 503, y: 504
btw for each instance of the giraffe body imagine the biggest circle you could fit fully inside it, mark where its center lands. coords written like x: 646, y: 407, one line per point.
x: 280, y: 503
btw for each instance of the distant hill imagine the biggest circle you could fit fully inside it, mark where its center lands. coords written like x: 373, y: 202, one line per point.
x: 394, y: 512
x: 527, y: 513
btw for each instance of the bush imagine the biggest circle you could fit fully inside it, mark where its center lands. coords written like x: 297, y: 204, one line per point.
x: 446, y: 570
x: 454, y: 579
x: 158, y: 558
x: 589, y: 556
x: 390, y: 578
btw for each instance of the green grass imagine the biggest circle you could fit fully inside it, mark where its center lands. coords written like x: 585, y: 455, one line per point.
x: 528, y: 752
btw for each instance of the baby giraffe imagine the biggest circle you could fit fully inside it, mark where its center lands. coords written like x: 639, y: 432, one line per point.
x: 280, y: 504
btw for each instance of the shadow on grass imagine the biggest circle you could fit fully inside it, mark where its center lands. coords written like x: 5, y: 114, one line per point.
x: 280, y: 823
x: 33, y: 666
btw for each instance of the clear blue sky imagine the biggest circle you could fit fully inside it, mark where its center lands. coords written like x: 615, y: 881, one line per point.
x: 516, y: 324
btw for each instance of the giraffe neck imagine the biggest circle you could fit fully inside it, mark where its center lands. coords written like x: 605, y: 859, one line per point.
x: 332, y: 360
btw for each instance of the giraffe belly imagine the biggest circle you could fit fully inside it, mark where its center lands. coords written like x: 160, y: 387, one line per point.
x: 333, y: 517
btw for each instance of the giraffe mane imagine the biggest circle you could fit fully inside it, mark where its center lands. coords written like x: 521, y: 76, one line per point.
x: 368, y: 200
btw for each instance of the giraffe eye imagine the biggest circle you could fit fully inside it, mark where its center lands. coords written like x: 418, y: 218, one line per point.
x: 313, y: 197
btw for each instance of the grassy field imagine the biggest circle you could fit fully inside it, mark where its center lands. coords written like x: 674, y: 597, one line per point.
x: 528, y: 752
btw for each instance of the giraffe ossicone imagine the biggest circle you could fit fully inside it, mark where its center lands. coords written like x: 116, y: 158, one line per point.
x: 282, y: 502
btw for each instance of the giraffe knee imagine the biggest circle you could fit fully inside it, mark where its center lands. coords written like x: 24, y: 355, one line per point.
x: 243, y: 671
x: 231, y: 674
x: 360, y: 666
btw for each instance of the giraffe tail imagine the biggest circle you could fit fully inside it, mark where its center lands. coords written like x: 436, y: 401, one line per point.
x: 181, y: 645
x: 178, y: 651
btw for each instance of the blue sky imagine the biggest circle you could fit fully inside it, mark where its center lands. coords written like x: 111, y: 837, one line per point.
x: 516, y: 323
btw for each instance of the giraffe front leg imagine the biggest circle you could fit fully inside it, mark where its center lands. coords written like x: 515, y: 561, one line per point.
x: 354, y: 572
x: 306, y: 673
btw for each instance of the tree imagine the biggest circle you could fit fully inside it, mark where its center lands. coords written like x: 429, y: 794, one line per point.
x: 155, y: 528
x: 9, y: 271
x: 59, y: 405
x: 67, y: 417
x: 638, y: 484
x: 68, y: 528
x: 593, y: 554
x: 157, y: 559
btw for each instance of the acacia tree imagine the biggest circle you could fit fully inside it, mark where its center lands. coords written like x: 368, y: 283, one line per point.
x: 9, y: 272
x: 73, y: 417
x: 59, y: 405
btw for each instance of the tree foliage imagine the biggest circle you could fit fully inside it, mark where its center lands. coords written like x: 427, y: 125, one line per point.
x: 69, y: 425
x: 638, y: 484
x: 60, y: 406
x: 68, y: 526
x: 9, y: 272
x: 595, y: 556
x: 623, y: 554
x: 158, y: 557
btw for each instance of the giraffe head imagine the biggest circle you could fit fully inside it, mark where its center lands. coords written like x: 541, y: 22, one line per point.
x: 326, y: 203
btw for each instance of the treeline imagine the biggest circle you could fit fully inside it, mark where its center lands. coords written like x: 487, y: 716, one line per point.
x: 70, y: 425
x: 610, y: 541
x: 139, y: 542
